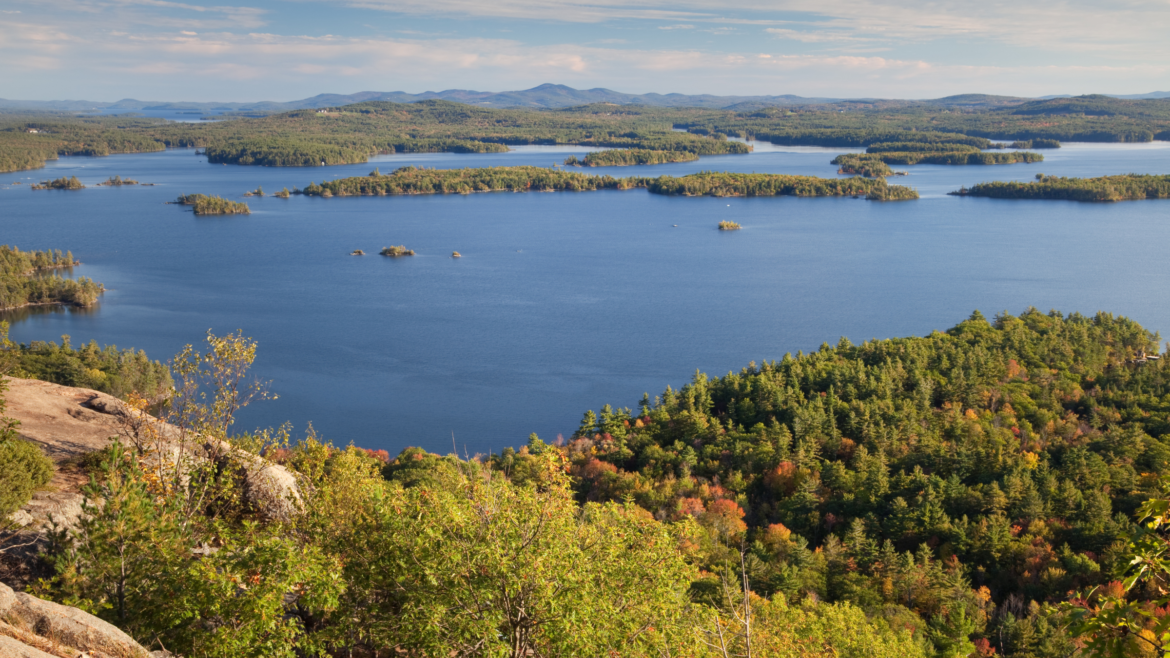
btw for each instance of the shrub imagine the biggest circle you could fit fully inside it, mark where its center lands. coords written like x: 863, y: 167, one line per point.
x: 24, y: 468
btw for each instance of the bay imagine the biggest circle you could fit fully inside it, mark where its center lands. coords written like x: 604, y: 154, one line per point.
x: 561, y: 301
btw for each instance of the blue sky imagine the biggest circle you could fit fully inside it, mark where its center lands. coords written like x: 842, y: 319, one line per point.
x: 247, y: 50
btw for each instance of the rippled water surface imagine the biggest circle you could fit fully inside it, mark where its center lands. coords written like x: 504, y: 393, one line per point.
x: 562, y: 301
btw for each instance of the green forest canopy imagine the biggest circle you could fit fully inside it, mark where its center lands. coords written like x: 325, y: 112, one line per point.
x: 1128, y: 187
x: 28, y: 277
x: 416, y: 180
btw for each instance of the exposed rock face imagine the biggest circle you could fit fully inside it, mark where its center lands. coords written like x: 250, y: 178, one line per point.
x: 69, y: 422
x: 35, y: 628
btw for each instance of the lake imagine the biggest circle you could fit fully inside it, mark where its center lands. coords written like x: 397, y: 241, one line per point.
x: 561, y: 302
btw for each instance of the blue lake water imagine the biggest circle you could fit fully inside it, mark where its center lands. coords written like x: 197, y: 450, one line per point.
x: 562, y: 301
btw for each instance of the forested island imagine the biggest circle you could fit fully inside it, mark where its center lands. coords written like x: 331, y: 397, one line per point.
x: 27, y: 279
x: 727, y: 184
x: 974, y: 492
x: 627, y: 157
x: 415, y: 180
x: 1128, y: 187
x: 418, y: 180
x: 62, y: 183
x: 874, y: 162
x: 202, y: 204
x: 352, y: 133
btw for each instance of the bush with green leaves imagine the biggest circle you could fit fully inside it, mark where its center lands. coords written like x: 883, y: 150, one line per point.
x: 24, y: 468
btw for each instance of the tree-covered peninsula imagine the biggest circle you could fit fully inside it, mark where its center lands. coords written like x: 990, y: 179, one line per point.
x: 415, y: 180
x: 28, y: 278
x: 628, y: 157
x: 1127, y: 187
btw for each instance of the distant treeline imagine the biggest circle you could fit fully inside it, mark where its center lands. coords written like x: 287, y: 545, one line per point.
x: 1105, y: 188
x: 848, y: 137
x: 922, y: 147
x: 1081, y: 119
x: 413, y: 180
x: 1036, y: 144
x: 627, y: 157
x: 26, y: 278
x: 66, y: 134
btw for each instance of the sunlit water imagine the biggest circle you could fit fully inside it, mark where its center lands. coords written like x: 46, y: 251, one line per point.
x: 562, y: 301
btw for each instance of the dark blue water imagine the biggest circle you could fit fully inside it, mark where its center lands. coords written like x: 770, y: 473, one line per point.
x: 562, y: 301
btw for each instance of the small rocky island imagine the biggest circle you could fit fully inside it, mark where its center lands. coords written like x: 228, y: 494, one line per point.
x: 396, y: 251
x: 212, y: 205
x: 117, y: 181
x: 61, y: 183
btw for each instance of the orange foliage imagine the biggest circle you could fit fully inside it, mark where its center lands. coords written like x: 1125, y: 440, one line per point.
x: 595, y: 468
x: 689, y: 507
x: 725, y: 516
x: 782, y: 478
x: 380, y: 455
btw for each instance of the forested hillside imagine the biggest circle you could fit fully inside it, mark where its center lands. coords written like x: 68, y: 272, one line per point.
x: 985, y: 470
x: 939, y: 496
x: 351, y: 133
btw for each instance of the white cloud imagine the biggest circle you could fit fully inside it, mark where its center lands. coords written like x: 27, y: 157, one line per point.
x: 122, y: 14
x: 1122, y: 27
x: 676, y: 27
x: 255, y: 66
x: 810, y: 36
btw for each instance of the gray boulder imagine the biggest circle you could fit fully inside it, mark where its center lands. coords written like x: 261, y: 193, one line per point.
x: 12, y: 648
x: 46, y: 626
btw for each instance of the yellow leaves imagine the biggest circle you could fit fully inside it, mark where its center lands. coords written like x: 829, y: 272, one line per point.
x: 970, y: 414
x: 1031, y: 460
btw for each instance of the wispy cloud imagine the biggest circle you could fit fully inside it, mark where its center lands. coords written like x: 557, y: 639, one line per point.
x: 217, y: 60
x: 1126, y: 25
x: 810, y: 47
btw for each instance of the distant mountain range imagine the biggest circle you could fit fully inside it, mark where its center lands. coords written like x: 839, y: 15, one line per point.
x: 544, y: 96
